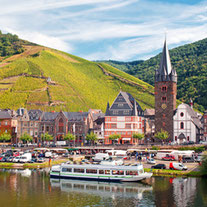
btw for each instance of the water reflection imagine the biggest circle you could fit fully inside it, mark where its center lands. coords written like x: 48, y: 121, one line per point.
x: 102, y: 189
x: 35, y: 188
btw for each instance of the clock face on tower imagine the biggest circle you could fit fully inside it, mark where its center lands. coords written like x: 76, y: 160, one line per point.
x: 164, y: 106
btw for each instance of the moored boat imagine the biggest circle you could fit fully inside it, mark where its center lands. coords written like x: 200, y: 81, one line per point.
x: 109, y: 173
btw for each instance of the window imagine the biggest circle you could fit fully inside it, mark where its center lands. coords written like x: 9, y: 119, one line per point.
x: 107, y: 172
x: 101, y: 171
x: 181, y: 114
x: 91, y: 171
x: 31, y: 124
x: 113, y: 126
x: 6, y: 123
x: 128, y: 118
x: 120, y: 105
x: 163, y: 116
x: 60, y: 128
x: 66, y: 170
x: 131, y: 173
x: 6, y: 131
x: 126, y: 111
x: 164, y: 88
x: 42, y: 128
x: 113, y: 118
x: 47, y: 128
x: 117, y: 172
x: 51, y: 128
x: 164, y: 99
x: 176, y: 138
x: 182, y: 125
x: 78, y: 170
x: 128, y: 126
x: 188, y: 138
x: 163, y: 124
x: 115, y: 112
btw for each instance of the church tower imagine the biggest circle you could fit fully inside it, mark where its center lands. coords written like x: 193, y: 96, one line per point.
x: 165, y: 94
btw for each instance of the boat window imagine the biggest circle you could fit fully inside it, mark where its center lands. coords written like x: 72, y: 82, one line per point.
x: 107, y: 172
x: 141, y: 171
x: 131, y: 172
x: 101, y: 171
x: 92, y: 171
x: 78, y: 170
x: 66, y: 170
x: 117, y: 172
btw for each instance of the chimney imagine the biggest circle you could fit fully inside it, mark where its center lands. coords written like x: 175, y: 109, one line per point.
x: 191, y: 103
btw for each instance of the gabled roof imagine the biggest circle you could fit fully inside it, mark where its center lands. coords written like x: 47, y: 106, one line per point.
x: 124, y: 105
x: 34, y: 115
x: 5, y: 115
x: 193, y: 115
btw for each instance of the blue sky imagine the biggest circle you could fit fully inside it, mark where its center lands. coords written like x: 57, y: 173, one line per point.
x: 106, y: 29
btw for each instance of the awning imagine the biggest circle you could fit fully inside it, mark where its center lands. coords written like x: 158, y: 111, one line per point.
x: 72, y: 149
x: 126, y: 139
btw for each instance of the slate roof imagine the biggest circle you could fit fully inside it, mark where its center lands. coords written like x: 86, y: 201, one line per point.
x: 5, y: 115
x: 76, y: 116
x: 193, y: 115
x: 34, y: 115
x: 165, y: 71
x: 49, y: 116
x: 124, y: 102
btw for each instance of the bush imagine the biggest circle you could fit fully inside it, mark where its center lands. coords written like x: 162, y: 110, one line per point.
x: 155, y: 148
x: 204, y: 165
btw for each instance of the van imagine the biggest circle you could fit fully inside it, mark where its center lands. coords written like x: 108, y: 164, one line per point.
x: 101, y: 156
x: 177, y: 166
x: 27, y: 157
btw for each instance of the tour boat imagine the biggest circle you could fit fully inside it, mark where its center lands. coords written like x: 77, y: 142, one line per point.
x: 108, y: 173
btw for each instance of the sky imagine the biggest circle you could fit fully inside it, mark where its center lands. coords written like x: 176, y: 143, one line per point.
x: 123, y: 30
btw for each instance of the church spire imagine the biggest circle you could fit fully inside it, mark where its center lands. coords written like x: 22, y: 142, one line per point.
x: 165, y: 71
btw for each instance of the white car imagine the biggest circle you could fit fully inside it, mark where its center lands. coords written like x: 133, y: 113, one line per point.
x: 16, y: 159
x: 151, y: 161
x: 177, y: 166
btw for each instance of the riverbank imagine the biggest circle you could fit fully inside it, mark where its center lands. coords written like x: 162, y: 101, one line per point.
x: 174, y: 173
x: 32, y: 165
x: 156, y: 172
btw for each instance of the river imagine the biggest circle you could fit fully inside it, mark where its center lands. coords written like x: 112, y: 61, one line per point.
x: 28, y: 188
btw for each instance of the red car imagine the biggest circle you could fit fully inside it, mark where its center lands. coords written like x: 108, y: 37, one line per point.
x: 170, y: 158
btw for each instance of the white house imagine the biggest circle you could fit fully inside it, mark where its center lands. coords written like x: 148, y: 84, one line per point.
x: 187, y: 125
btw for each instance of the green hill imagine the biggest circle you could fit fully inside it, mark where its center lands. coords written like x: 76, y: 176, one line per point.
x: 190, y: 62
x: 48, y: 79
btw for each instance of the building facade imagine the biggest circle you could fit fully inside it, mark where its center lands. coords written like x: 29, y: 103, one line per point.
x: 187, y: 125
x: 165, y: 94
x: 124, y: 117
x: 205, y: 126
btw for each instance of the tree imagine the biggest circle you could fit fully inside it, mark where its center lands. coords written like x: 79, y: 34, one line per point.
x: 46, y: 137
x: 5, y: 137
x: 91, y: 137
x: 138, y: 136
x: 114, y: 137
x: 26, y: 137
x: 162, y: 135
x: 203, y: 167
x: 69, y: 137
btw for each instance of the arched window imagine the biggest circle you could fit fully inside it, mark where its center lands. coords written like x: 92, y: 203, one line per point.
x: 164, y: 88
x: 182, y: 125
x: 164, y: 99
x: 181, y: 114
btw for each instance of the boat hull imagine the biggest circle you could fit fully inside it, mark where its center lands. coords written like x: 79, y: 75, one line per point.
x: 104, y: 179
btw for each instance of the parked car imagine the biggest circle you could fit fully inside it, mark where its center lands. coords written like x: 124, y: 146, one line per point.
x: 159, y: 166
x: 151, y: 161
x: 40, y: 160
x: 170, y: 158
x: 188, y: 159
x: 10, y: 159
x: 198, y: 158
x: 203, y: 142
x: 177, y: 166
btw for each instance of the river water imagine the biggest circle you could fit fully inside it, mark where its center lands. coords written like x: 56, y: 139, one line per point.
x: 28, y: 188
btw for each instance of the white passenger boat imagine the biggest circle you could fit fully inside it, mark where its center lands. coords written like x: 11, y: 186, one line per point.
x: 108, y: 173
